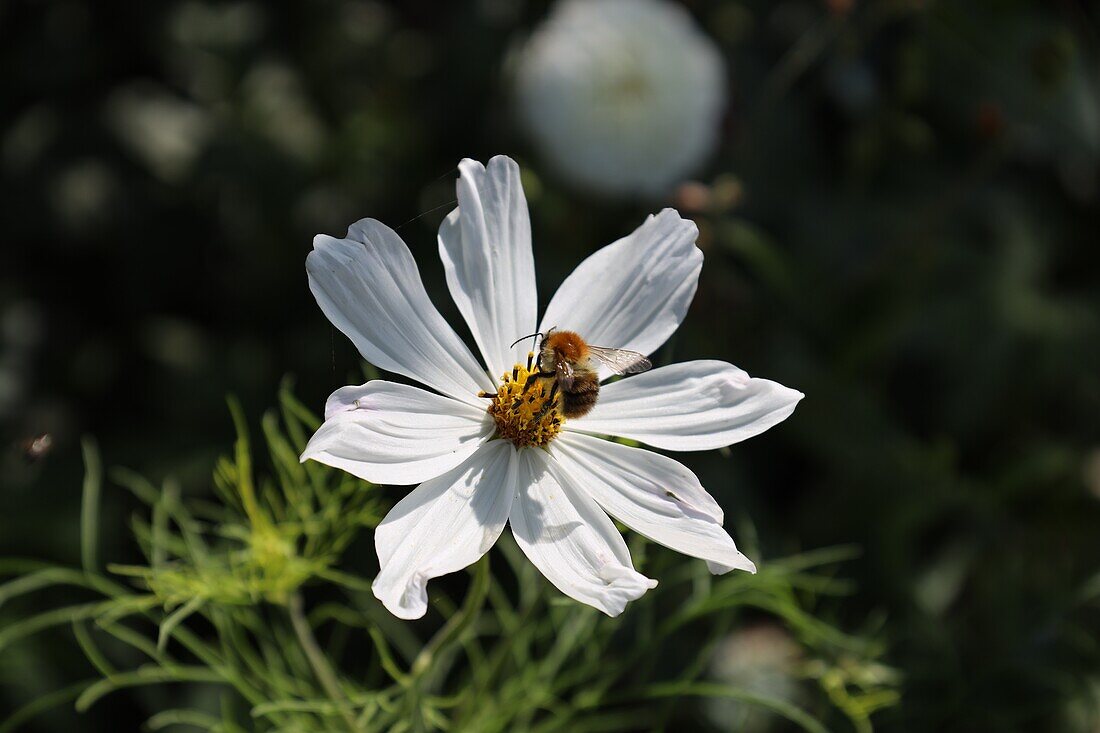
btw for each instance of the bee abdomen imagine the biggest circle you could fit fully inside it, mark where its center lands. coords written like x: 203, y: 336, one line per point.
x: 581, y: 398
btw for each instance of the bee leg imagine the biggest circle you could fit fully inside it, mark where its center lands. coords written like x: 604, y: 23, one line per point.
x: 534, y: 377
x: 551, y: 401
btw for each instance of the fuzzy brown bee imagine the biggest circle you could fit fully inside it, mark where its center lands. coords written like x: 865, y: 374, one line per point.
x: 574, y: 365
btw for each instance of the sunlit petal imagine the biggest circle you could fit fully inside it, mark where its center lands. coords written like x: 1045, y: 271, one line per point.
x: 694, y: 405
x: 485, y: 245
x: 570, y: 539
x: 632, y: 294
x: 391, y: 433
x: 442, y: 526
x: 369, y: 287
x: 653, y: 495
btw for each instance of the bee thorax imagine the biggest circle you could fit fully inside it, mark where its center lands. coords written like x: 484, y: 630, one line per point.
x: 564, y: 345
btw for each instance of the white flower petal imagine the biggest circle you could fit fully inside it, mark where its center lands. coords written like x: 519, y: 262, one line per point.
x: 369, y: 287
x: 485, y: 245
x: 653, y: 495
x: 442, y: 526
x: 570, y: 539
x: 694, y: 405
x: 632, y: 294
x: 392, y: 433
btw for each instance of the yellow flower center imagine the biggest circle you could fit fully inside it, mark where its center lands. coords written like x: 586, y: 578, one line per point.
x: 521, y: 410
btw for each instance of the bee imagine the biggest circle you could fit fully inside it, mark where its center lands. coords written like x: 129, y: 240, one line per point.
x: 574, y: 365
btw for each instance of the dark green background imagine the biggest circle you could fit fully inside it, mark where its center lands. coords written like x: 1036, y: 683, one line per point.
x: 914, y: 247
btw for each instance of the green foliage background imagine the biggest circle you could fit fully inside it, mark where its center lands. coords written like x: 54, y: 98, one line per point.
x: 904, y: 228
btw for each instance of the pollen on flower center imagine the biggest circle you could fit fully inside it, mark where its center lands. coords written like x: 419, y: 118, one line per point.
x: 521, y: 410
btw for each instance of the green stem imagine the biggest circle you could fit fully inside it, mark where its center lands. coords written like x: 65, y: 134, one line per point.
x: 317, y: 659
x: 243, y: 460
x: 89, y: 509
x: 457, y: 623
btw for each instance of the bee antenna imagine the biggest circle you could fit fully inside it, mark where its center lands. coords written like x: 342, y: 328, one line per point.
x: 536, y: 333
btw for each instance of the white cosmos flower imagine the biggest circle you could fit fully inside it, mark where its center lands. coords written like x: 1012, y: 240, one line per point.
x: 621, y: 96
x: 555, y: 492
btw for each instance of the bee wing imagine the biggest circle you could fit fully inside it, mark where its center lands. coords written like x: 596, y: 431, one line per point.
x: 621, y: 361
x: 564, y: 374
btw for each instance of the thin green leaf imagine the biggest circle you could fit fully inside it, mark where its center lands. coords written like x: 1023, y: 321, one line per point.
x: 91, y: 651
x: 41, y: 704
x: 175, y: 618
x: 711, y: 689
x: 144, y: 676
x: 89, y: 508
x: 195, y: 718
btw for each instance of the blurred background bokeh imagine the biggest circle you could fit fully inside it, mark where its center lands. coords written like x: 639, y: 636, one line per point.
x: 898, y: 202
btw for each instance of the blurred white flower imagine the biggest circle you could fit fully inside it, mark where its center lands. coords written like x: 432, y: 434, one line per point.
x: 164, y: 130
x: 81, y: 194
x: 277, y: 105
x: 519, y: 462
x: 624, y: 97
x: 763, y: 660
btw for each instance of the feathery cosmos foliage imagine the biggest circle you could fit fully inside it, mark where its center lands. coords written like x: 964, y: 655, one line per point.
x: 246, y: 597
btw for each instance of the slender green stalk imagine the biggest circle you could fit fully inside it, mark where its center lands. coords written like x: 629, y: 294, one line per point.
x: 89, y: 514
x: 317, y: 659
